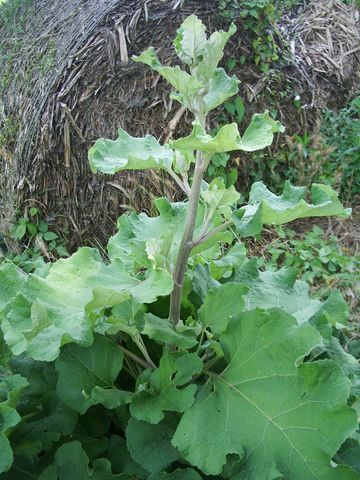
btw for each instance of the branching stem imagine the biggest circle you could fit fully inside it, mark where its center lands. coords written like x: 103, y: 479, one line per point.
x: 186, y: 242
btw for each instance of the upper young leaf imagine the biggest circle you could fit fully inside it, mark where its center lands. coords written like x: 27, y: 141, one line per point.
x: 190, y: 40
x: 129, y: 153
x: 266, y: 208
x: 184, y: 83
x: 244, y: 409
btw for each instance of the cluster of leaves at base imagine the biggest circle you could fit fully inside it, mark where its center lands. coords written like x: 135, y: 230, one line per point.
x: 36, y: 242
x: 96, y: 382
x: 320, y: 261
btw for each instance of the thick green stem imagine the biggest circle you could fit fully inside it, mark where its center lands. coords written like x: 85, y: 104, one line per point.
x: 186, y: 243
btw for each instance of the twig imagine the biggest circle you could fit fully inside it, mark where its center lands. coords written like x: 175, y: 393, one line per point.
x: 134, y: 357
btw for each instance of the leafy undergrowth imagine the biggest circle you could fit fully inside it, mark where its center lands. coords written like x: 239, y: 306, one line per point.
x: 176, y: 358
x: 320, y: 261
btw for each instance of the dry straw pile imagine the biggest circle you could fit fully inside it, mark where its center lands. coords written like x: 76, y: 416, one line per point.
x: 67, y: 79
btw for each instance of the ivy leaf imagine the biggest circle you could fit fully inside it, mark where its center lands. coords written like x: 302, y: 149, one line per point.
x: 87, y: 375
x: 184, y: 83
x: 72, y: 463
x: 220, y: 305
x: 129, y: 153
x: 149, y: 445
x: 190, y: 40
x: 258, y: 135
x: 221, y: 87
x: 161, y: 330
x: 266, y: 208
x: 244, y: 410
x: 11, y: 387
x: 157, y: 391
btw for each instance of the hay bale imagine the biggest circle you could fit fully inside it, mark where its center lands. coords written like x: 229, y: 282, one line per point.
x: 68, y: 81
x: 325, y: 43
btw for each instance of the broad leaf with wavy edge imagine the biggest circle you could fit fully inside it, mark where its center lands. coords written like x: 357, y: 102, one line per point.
x: 49, y: 312
x: 129, y: 153
x: 243, y: 410
x: 259, y: 134
x: 266, y: 208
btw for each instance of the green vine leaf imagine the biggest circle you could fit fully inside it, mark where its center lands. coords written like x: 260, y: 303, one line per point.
x: 129, y: 153
x: 295, y: 434
x: 266, y: 208
x: 158, y: 391
x: 258, y: 135
x: 87, y: 375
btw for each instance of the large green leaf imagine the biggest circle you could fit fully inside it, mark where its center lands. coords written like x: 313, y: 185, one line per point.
x: 87, y: 375
x: 278, y: 414
x: 266, y: 208
x: 11, y: 387
x: 225, y: 264
x: 11, y: 280
x: 281, y: 289
x: 72, y: 463
x: 258, y: 135
x: 159, y: 390
x: 144, y: 241
x: 129, y: 153
x: 150, y: 446
x: 49, y: 312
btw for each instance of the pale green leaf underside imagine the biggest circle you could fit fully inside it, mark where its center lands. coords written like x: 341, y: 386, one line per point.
x: 266, y: 208
x: 129, y: 153
x: 49, y: 312
x: 190, y: 40
x: 296, y: 434
x: 281, y: 289
x: 258, y: 135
